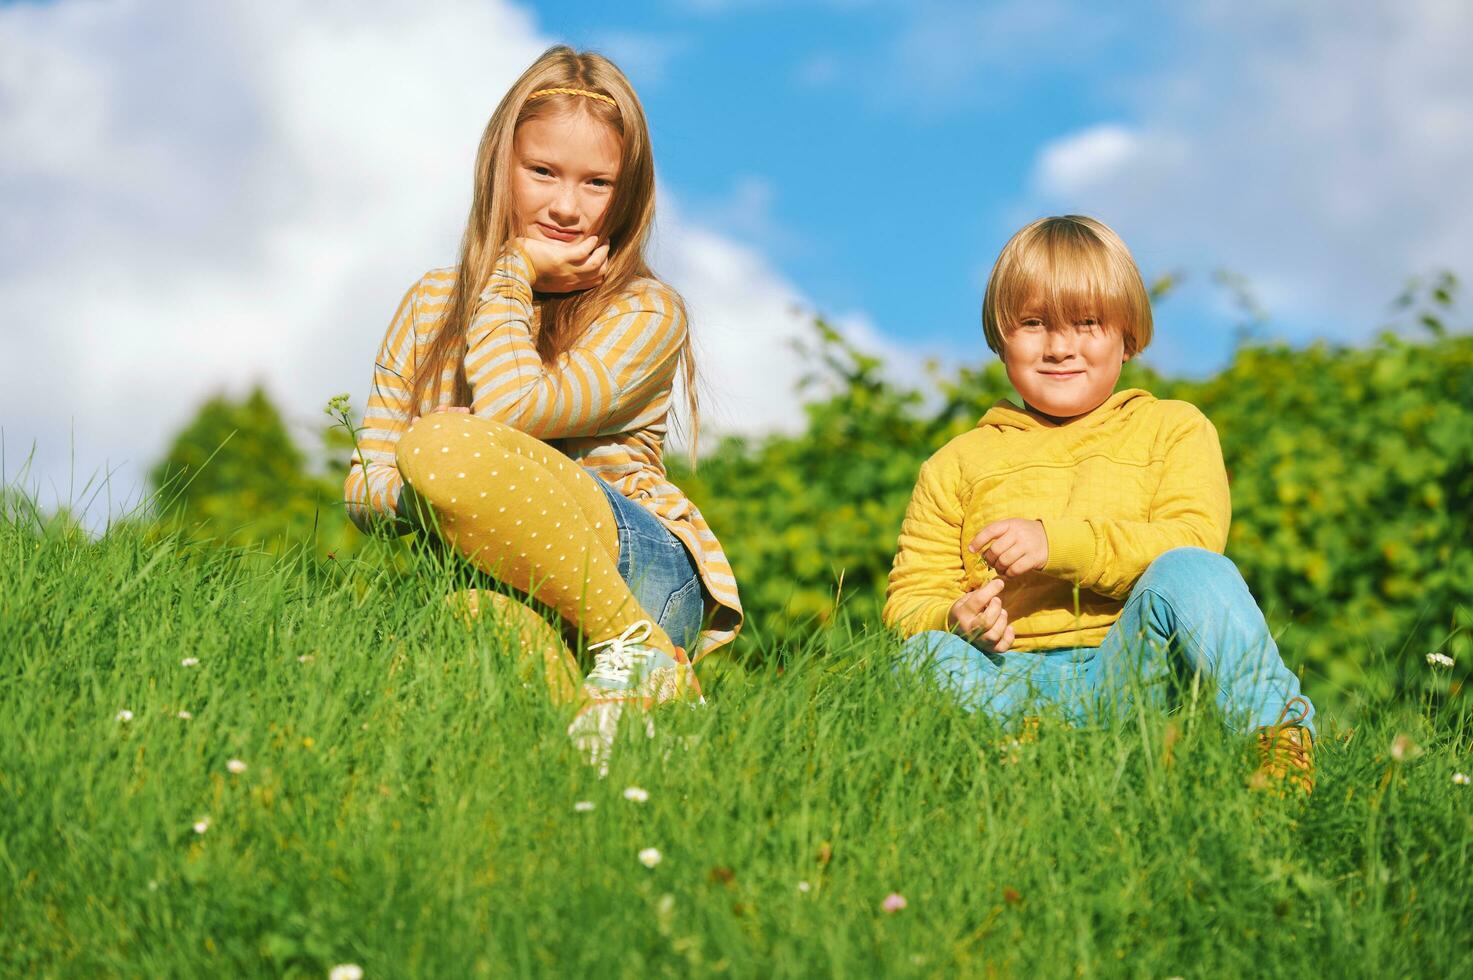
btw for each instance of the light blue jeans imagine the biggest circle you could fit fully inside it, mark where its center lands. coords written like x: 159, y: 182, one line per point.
x: 658, y: 570
x: 1191, y: 608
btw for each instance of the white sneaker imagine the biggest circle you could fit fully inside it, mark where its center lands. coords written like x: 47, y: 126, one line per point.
x: 626, y: 671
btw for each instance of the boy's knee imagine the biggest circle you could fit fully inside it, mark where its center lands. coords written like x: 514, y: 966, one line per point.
x: 1193, y: 565
x: 938, y: 650
x: 925, y: 644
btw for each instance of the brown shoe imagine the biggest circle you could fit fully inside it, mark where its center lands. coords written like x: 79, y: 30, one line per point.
x: 1286, y: 751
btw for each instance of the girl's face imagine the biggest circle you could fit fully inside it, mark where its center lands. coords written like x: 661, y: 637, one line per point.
x: 563, y: 172
x: 1063, y: 370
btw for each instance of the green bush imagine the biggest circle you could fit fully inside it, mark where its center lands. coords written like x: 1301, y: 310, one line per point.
x: 1351, y: 470
x: 234, y: 475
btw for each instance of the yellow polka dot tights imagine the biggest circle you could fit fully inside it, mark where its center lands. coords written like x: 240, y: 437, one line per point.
x: 526, y: 515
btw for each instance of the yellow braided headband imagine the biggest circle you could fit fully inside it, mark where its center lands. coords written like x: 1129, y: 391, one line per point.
x: 572, y: 91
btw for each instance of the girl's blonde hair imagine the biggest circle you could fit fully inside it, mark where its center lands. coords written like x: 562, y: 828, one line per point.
x: 1068, y: 268
x: 492, y: 222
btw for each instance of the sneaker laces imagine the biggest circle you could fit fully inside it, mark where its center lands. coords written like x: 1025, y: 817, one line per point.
x: 617, y: 656
x: 1293, y: 749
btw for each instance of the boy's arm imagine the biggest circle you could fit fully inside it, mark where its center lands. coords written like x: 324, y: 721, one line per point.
x: 1191, y: 509
x: 927, y: 576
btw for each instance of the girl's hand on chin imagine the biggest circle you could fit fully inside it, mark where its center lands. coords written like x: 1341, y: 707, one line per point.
x: 566, y: 267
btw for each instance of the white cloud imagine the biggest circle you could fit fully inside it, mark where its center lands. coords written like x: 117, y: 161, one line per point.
x: 193, y: 200
x: 746, y: 318
x: 1321, y: 150
x: 745, y: 212
x: 1085, y: 159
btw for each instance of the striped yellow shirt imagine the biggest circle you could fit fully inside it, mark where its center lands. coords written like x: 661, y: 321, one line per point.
x: 606, y: 404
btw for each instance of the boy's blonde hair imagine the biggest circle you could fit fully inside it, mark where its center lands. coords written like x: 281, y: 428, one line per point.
x: 1067, y: 268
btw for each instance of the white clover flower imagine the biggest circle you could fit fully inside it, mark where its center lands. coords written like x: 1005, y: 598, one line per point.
x: 305, y: 658
x: 649, y: 857
x: 1403, y: 748
x: 1460, y: 778
x: 189, y: 662
x: 345, y: 971
x: 236, y: 766
x: 201, y: 825
x: 636, y: 795
x: 125, y: 716
x: 1439, y: 659
x: 583, y: 806
x: 804, y: 886
x: 184, y: 715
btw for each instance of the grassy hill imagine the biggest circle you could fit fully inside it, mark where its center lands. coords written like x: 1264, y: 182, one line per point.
x: 401, y: 800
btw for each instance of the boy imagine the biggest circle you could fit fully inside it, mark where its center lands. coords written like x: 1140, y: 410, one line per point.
x: 1064, y: 552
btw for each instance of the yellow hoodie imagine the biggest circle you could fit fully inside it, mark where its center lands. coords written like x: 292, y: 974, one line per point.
x: 1114, y: 489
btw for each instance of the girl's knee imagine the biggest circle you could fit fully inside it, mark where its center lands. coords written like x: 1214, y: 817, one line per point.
x: 438, y: 452
x: 421, y: 447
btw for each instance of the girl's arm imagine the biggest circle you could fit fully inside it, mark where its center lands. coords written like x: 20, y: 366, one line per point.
x: 928, y: 575
x: 373, y: 484
x: 1191, y: 509
x: 612, y: 380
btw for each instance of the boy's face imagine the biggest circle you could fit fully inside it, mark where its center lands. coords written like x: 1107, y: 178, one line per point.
x: 1063, y: 370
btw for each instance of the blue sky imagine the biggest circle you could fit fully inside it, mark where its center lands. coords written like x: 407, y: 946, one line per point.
x: 810, y: 130
x: 881, y: 153
x: 196, y: 198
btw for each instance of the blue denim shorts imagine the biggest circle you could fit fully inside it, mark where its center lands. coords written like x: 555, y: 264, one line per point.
x: 658, y: 570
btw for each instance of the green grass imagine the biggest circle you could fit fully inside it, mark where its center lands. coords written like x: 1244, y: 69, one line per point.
x: 409, y: 806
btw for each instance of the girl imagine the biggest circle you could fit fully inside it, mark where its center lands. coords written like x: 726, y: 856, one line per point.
x: 542, y: 365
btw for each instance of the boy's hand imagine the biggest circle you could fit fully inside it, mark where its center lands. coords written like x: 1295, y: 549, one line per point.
x: 566, y: 267
x: 980, y: 617
x: 1012, y: 547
